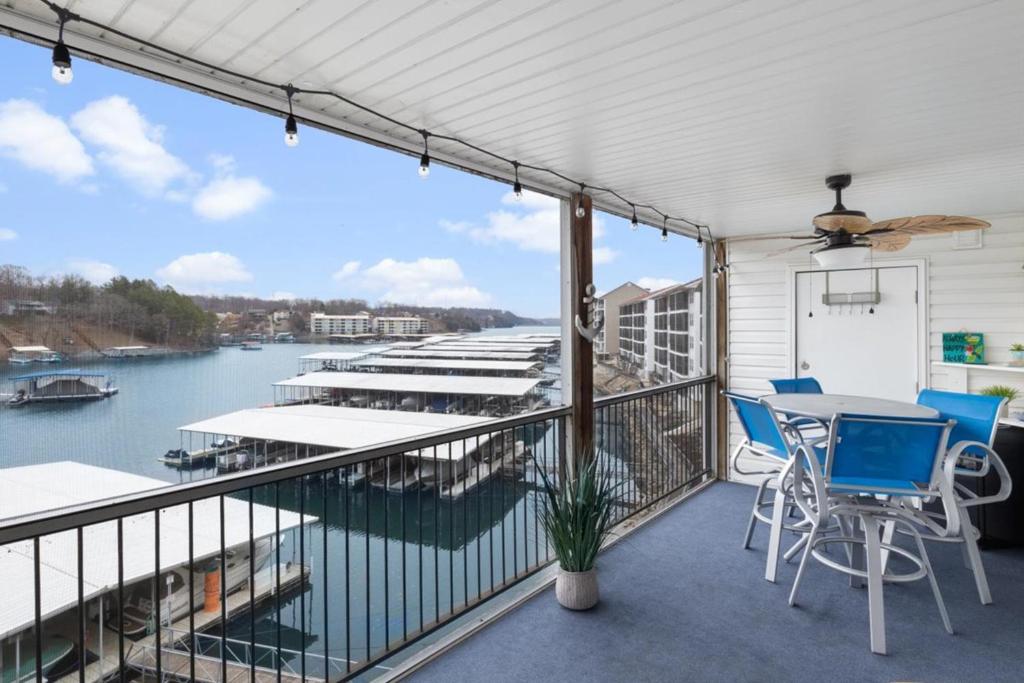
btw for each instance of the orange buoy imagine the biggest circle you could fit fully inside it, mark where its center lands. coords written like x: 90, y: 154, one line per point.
x: 211, y: 591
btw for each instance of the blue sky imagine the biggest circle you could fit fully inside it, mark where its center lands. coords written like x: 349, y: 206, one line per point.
x: 117, y: 174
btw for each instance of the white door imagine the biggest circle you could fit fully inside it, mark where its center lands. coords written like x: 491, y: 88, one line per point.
x: 859, y: 349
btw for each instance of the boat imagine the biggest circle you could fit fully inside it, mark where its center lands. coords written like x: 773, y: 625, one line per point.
x: 18, y: 660
x: 251, y: 346
x: 23, y: 355
x: 174, y: 589
x: 54, y: 386
x: 284, y: 338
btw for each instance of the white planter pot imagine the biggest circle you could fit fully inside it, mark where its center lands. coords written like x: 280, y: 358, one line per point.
x: 576, y: 590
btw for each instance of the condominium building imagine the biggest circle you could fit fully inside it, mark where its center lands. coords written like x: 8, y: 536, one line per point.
x: 399, y: 326
x: 660, y: 333
x: 606, y: 309
x: 322, y: 324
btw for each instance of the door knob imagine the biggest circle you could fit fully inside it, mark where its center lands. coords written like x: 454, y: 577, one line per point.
x: 805, y: 365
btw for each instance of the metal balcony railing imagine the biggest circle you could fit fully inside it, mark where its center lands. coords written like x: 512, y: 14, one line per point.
x: 317, y: 569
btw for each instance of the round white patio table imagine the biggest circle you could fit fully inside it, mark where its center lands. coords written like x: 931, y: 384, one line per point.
x: 824, y: 406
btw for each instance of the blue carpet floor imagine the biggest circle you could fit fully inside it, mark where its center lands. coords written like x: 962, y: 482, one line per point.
x: 681, y: 601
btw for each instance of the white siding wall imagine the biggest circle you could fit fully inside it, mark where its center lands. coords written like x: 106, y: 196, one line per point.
x: 980, y: 290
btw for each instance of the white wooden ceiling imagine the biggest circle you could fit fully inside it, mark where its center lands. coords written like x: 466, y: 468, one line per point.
x: 726, y: 111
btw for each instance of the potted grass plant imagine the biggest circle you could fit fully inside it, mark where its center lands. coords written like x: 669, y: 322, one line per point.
x: 1009, y: 393
x: 578, y: 517
x: 1017, y: 354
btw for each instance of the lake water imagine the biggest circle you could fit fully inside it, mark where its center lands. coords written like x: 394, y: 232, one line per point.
x: 383, y: 548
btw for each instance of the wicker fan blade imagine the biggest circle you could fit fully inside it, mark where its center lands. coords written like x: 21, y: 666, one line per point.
x: 795, y: 247
x: 889, y: 241
x: 930, y: 225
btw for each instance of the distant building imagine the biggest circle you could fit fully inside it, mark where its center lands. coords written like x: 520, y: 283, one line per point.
x: 606, y: 308
x: 400, y: 326
x: 280, y: 316
x: 257, y: 313
x: 24, y: 307
x: 322, y: 324
x: 660, y: 333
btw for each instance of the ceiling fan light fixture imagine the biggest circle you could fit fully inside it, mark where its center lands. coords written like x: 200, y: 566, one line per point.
x: 843, y: 256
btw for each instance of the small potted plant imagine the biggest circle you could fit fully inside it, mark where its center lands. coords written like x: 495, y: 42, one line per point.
x: 578, y: 517
x: 1017, y: 354
x: 1009, y: 393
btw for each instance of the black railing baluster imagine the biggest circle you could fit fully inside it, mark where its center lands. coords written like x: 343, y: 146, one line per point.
x: 419, y: 528
x: 120, y: 598
x: 437, y: 542
x: 405, y: 589
x: 451, y: 536
x: 277, y: 576
x: 327, y: 633
x: 490, y: 510
x: 81, y: 607
x: 158, y: 641
x: 302, y: 574
x: 191, y: 595
x: 367, y: 490
x: 252, y: 592
x: 348, y: 572
x: 223, y: 594
x: 38, y: 616
x: 478, y: 487
x: 465, y: 525
x: 386, y: 493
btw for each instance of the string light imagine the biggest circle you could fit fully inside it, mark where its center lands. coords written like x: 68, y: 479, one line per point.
x: 633, y: 222
x: 517, y: 187
x: 425, y: 157
x: 700, y: 240
x: 580, y: 210
x: 61, y: 71
x: 291, y: 128
x: 664, y: 230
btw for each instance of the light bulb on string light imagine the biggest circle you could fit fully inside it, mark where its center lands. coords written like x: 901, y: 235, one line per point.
x: 517, y: 187
x: 664, y: 230
x: 425, y: 157
x: 581, y: 212
x: 61, y: 71
x: 633, y: 222
x: 291, y: 128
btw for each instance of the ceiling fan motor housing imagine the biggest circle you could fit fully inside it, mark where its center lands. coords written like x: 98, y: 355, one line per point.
x: 841, y: 218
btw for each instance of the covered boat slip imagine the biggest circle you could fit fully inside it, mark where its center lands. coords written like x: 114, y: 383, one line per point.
x: 472, y: 346
x: 334, y: 360
x: 432, y: 352
x: 441, y: 366
x: 487, y: 396
x: 318, y: 429
x: 37, y: 488
x: 60, y: 385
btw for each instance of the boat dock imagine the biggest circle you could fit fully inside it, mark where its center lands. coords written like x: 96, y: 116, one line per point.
x: 140, y: 655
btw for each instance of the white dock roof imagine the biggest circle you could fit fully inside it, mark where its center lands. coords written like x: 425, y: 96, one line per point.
x: 37, y: 488
x: 30, y: 349
x: 475, y: 346
x: 431, y: 352
x: 449, y: 364
x: 415, y: 384
x: 336, y: 355
x: 335, y: 427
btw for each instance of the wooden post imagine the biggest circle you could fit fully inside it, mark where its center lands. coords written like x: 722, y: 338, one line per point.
x: 722, y: 361
x: 581, y: 275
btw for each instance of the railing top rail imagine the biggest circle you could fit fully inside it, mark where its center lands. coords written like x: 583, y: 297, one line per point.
x: 652, y: 391
x: 47, y: 522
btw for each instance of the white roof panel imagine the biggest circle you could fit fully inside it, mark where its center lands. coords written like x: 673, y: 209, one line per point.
x: 432, y: 352
x: 449, y: 364
x: 30, y: 349
x: 336, y: 355
x: 473, y: 346
x: 415, y: 384
x: 334, y: 427
x: 37, y: 488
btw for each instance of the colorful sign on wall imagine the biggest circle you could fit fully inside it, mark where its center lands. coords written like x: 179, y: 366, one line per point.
x: 963, y: 347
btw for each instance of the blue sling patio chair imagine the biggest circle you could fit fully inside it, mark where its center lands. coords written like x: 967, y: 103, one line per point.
x: 977, y: 418
x: 796, y: 385
x: 773, y: 443
x: 871, y: 466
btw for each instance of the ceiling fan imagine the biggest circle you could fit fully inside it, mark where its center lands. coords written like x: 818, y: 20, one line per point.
x: 844, y: 237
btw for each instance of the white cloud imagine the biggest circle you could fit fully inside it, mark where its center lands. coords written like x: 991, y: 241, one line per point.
x: 283, y: 296
x: 424, y: 282
x: 129, y: 144
x: 42, y: 142
x: 230, y: 197
x: 95, y: 272
x: 655, y: 283
x: 603, y: 255
x: 349, y: 269
x: 532, y: 224
x: 197, y: 272
x: 7, y: 234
